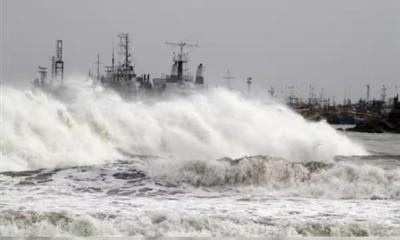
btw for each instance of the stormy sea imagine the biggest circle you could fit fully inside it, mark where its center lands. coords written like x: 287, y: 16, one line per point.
x: 210, y: 164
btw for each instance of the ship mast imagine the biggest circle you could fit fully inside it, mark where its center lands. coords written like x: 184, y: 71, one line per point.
x: 98, y: 68
x: 127, y: 70
x: 229, y: 77
x: 181, y: 59
x: 368, y: 93
x: 383, y: 93
x: 58, y: 63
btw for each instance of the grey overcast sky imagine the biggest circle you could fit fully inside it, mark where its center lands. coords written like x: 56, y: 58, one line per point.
x: 338, y: 45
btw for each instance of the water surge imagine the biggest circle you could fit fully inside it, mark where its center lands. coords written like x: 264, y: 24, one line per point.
x: 39, y: 130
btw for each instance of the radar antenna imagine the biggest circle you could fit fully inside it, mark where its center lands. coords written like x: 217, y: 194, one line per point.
x: 181, y: 59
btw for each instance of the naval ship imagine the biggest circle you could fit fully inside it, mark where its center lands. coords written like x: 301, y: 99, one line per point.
x: 122, y: 76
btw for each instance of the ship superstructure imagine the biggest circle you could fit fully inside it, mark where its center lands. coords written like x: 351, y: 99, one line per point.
x: 179, y: 81
x: 121, y: 75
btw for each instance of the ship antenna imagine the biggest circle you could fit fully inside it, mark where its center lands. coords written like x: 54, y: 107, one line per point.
x: 182, y: 56
x: 98, y: 67
x: 229, y: 77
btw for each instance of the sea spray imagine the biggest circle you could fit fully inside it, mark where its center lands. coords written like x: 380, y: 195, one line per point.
x: 42, y: 131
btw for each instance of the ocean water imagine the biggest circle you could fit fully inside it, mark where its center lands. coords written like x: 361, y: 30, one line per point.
x: 211, y: 164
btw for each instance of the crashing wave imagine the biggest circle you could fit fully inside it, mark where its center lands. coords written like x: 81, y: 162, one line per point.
x: 306, y: 179
x: 39, y: 131
x: 148, y: 175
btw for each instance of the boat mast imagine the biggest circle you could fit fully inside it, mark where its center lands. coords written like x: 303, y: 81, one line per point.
x: 181, y: 59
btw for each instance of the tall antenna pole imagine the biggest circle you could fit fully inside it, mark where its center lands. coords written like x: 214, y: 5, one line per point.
x: 98, y: 68
x: 126, y: 50
x: 113, y: 61
x: 368, y: 92
x: 383, y: 93
x: 59, y: 63
x: 182, y: 56
x: 291, y: 95
x: 311, y: 95
x: 229, y: 77
x: 181, y: 46
x: 349, y: 98
x: 53, y: 68
x: 127, y: 70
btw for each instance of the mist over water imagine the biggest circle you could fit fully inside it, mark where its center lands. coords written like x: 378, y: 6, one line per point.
x: 93, y: 126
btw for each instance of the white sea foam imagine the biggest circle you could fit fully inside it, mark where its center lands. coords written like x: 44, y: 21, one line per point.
x: 181, y: 219
x: 40, y: 131
x: 253, y: 196
x: 177, y: 185
x: 338, y: 180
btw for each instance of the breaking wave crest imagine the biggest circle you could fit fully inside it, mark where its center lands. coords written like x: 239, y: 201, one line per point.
x: 92, y: 127
x: 333, y: 180
x: 263, y: 174
x: 249, y: 196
